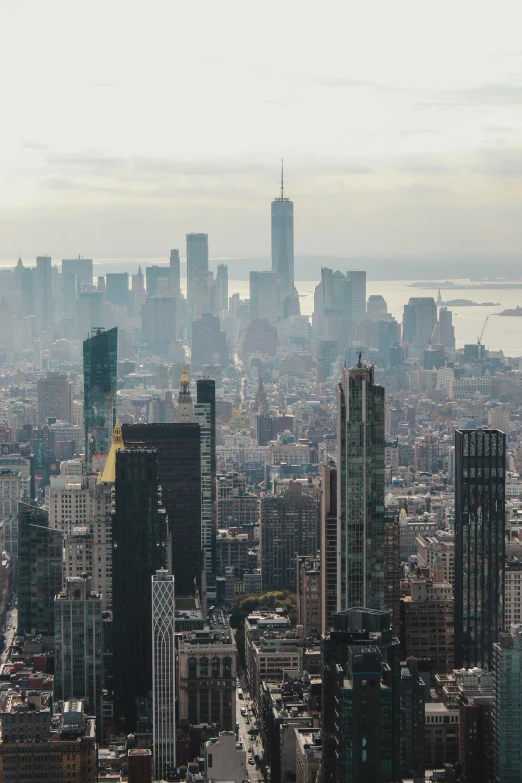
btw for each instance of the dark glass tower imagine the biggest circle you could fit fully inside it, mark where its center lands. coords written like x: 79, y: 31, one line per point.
x: 100, y: 359
x: 328, y: 545
x: 40, y: 555
x: 205, y: 412
x: 361, y: 699
x: 178, y: 446
x: 360, y: 490
x: 139, y: 537
x: 479, y: 544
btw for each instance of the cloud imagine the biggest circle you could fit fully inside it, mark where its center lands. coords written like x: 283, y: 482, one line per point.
x: 342, y: 83
x: 424, y: 192
x: 90, y: 158
x: 500, y: 94
x: 501, y: 162
x: 29, y: 144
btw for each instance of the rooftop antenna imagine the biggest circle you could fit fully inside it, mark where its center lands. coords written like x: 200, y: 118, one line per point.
x: 282, y: 186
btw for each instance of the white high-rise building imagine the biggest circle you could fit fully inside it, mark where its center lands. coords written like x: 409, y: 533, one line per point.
x: 163, y: 673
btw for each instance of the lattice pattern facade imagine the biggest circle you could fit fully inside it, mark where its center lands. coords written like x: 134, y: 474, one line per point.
x: 164, y: 674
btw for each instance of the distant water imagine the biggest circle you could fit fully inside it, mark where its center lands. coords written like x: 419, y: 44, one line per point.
x: 501, y: 333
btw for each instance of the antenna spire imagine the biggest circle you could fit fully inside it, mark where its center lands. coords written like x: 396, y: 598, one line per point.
x: 282, y: 186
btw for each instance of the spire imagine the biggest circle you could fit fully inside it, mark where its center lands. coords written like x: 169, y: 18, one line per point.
x: 185, y: 411
x: 282, y: 181
x: 139, y: 271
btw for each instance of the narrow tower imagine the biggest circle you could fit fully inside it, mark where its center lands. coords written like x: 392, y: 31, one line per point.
x: 283, y: 242
x: 164, y: 674
x: 360, y: 490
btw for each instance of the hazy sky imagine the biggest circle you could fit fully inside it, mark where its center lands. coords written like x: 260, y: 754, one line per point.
x: 126, y: 124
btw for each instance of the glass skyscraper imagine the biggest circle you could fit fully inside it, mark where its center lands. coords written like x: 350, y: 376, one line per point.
x: 78, y: 636
x: 100, y: 359
x: 479, y: 544
x: 507, y: 709
x: 205, y: 413
x: 283, y: 242
x: 360, y: 490
x: 163, y: 674
x: 139, y: 549
x: 40, y: 554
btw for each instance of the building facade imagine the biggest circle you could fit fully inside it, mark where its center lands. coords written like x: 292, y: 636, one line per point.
x: 54, y: 398
x: 139, y: 549
x: 479, y: 544
x: 178, y: 448
x: 78, y: 672
x: 289, y: 527
x: 308, y: 590
x: 197, y: 262
x: 360, y: 490
x: 507, y: 669
x: 40, y: 553
x: 163, y: 674
x: 207, y: 678
x: 100, y: 358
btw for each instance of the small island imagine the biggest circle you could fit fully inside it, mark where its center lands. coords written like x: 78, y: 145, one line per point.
x: 468, y: 303
x: 516, y: 311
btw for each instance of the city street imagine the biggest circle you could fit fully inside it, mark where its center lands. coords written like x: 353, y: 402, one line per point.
x: 11, y: 620
x: 254, y: 775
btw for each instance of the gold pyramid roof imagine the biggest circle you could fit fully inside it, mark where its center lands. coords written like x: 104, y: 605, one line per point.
x: 109, y: 471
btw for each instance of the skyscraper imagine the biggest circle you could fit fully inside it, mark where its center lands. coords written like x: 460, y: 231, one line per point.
x: 283, y: 242
x: 264, y: 295
x: 507, y: 706
x: 158, y: 280
x: 222, y: 287
x: 80, y: 267
x: 419, y: 319
x: 479, y: 544
x: 373, y: 709
x: 197, y: 262
x: 40, y: 554
x: 178, y: 446
x: 158, y: 323
x: 54, y: 398
x: 43, y: 293
x: 205, y: 413
x: 446, y: 329
x: 289, y: 527
x: 163, y: 674
x: 89, y: 312
x: 175, y: 274
x: 358, y: 281
x: 328, y: 545
x: 78, y: 637
x: 209, y: 342
x: 138, y: 282
x: 117, y: 288
x: 139, y: 540
x: 100, y: 358
x: 360, y: 490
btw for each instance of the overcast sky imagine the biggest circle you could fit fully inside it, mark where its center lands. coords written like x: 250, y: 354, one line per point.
x: 125, y: 125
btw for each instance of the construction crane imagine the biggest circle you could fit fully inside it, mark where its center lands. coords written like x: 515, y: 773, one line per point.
x: 479, y: 341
